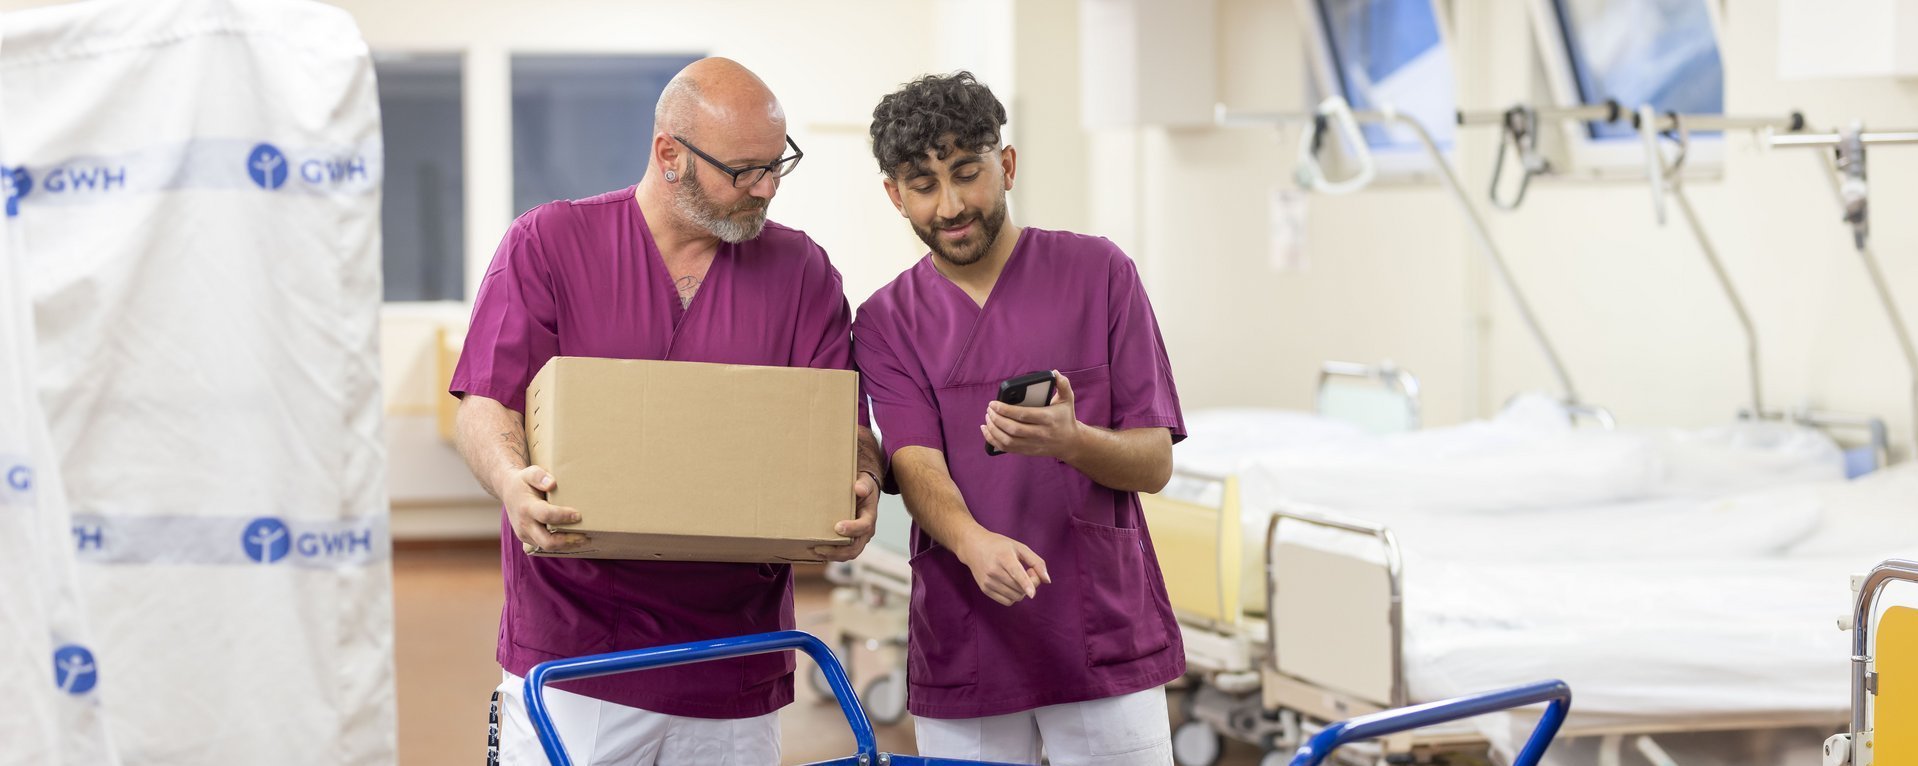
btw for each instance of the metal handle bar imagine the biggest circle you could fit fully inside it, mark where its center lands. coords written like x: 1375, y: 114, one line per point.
x: 1556, y: 694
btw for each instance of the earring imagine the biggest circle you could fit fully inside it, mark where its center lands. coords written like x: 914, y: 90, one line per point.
x: 671, y: 176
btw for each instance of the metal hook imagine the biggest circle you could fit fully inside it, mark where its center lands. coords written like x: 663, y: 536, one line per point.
x: 1657, y: 171
x: 1518, y: 131
x: 1682, y: 136
x: 1310, y: 175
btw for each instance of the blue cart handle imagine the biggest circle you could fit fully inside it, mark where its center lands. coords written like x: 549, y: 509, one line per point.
x: 1381, y: 724
x: 682, y: 654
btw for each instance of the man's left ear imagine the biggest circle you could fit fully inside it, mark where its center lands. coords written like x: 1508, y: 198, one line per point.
x: 1009, y: 161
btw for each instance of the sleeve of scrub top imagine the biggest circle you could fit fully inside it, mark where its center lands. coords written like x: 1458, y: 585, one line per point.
x: 514, y: 330
x: 824, y: 335
x: 904, y: 409
x: 1143, y: 395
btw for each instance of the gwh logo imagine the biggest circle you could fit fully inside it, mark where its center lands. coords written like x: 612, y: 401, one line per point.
x: 17, y: 182
x: 81, y: 178
x: 266, y: 540
x: 266, y: 165
x: 335, y: 170
x: 73, y: 669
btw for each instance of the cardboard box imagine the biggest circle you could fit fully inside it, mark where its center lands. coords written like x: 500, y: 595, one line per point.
x: 676, y: 461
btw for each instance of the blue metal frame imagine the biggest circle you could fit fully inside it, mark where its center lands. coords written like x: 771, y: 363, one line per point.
x: 1381, y: 724
x: 706, y: 651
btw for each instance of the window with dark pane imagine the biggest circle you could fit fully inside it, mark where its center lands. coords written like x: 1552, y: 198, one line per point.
x: 583, y: 125
x: 423, y: 206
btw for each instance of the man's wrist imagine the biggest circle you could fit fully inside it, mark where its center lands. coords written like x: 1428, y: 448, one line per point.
x: 1078, y: 443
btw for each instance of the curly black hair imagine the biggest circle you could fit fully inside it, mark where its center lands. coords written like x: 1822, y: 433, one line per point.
x: 935, y: 113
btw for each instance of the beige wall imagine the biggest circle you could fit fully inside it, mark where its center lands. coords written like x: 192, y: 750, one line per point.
x: 1393, y: 272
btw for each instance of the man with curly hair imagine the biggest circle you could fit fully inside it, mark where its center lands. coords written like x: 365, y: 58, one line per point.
x: 994, y: 671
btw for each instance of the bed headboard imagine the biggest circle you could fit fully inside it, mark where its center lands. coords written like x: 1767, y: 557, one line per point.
x: 1381, y: 398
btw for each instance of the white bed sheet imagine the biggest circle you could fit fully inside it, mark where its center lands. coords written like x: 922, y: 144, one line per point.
x: 1582, y: 493
x: 1732, y: 635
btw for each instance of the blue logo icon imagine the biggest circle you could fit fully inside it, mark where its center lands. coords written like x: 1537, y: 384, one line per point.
x: 17, y: 182
x: 266, y: 540
x: 267, y: 166
x: 20, y: 478
x: 73, y: 670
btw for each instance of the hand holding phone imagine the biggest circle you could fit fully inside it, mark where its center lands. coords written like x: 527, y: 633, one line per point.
x: 1033, y: 389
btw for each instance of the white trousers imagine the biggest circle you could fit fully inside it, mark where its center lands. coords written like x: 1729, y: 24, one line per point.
x: 1127, y: 730
x: 600, y: 732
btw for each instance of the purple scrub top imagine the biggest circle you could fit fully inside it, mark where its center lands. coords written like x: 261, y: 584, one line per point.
x: 585, y: 278
x: 931, y: 359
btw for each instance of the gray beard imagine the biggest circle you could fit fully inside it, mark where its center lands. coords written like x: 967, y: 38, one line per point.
x: 698, y: 210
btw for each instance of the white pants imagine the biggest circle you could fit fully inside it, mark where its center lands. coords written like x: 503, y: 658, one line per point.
x: 599, y: 732
x: 1127, y: 730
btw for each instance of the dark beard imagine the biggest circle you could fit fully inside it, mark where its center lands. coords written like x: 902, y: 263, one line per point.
x: 965, y: 253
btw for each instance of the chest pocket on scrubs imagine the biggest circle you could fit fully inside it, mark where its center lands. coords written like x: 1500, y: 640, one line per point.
x: 1119, y: 579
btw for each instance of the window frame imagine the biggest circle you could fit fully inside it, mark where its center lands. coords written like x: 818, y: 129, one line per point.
x: 1394, y: 164
x: 1592, y: 157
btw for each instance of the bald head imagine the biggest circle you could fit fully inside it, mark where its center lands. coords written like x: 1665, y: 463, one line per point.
x: 718, y: 95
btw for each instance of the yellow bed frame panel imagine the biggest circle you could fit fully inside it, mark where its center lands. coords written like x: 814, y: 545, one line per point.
x: 448, y: 343
x: 1894, y: 735
x: 1199, y: 553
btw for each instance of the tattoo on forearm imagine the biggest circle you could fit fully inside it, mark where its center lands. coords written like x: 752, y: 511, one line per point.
x: 515, y: 442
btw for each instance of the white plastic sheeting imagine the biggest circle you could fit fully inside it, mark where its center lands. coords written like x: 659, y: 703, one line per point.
x: 196, y: 209
x: 47, y: 665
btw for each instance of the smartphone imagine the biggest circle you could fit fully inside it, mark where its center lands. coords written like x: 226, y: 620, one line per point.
x: 1033, y: 389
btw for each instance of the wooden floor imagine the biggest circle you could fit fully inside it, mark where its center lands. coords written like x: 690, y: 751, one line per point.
x: 447, y: 602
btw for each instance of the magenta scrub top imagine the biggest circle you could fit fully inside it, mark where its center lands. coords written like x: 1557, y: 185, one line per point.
x: 584, y: 278
x: 930, y: 359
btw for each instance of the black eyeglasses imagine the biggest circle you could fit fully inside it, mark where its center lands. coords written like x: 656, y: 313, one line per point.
x: 750, y: 175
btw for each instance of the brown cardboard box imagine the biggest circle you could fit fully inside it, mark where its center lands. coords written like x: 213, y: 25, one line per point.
x: 677, y: 461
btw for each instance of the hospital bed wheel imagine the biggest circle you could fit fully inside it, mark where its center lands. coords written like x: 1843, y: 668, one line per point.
x: 1195, y: 743
x: 885, y: 699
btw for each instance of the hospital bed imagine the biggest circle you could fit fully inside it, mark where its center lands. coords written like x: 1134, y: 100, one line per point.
x: 1336, y: 628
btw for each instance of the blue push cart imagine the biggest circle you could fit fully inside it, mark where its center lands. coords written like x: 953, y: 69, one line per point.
x: 1555, y: 694
x: 706, y: 651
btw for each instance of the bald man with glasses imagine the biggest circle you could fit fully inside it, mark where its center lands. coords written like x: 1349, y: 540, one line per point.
x: 682, y: 266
